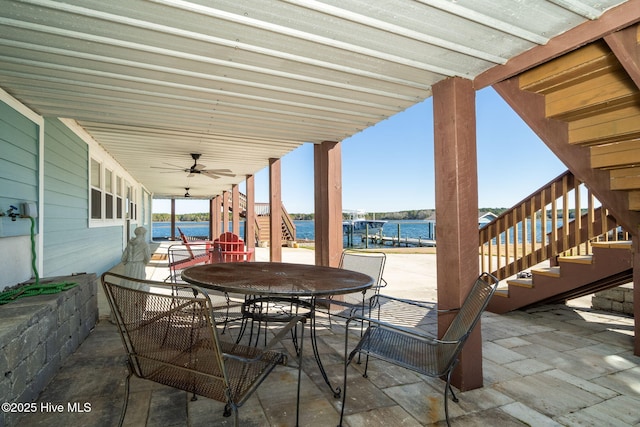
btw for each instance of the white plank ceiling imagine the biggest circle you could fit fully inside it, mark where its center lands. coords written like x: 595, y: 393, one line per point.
x: 242, y: 81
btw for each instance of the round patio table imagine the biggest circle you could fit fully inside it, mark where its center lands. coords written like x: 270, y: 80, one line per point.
x: 281, y: 280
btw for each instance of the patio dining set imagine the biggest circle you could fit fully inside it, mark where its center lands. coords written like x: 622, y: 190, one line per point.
x: 204, y: 329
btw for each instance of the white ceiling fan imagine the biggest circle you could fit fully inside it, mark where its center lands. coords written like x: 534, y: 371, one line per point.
x: 197, y: 168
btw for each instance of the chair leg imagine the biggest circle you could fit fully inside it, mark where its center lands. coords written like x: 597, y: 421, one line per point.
x: 366, y: 365
x: 447, y: 389
x: 126, y: 398
x: 344, y: 396
x: 453, y: 395
x: 236, y: 416
x: 299, y: 374
x: 344, y: 383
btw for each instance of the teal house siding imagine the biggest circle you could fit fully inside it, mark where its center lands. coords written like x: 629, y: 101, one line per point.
x: 18, y: 184
x: 18, y: 163
x: 70, y: 245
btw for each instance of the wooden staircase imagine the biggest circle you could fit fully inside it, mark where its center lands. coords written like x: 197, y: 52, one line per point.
x: 610, y: 265
x: 262, y: 211
x: 585, y: 106
x: 598, y: 97
x: 287, y: 227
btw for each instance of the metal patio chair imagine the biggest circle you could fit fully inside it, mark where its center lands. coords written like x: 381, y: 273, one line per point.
x: 182, y: 256
x: 170, y: 337
x: 369, y: 263
x: 227, y: 308
x: 400, y: 337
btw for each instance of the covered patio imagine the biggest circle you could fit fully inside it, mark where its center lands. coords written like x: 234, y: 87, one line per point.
x: 553, y: 365
x: 101, y: 96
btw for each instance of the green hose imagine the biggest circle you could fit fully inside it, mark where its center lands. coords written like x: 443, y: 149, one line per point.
x: 33, y: 250
x: 35, y: 288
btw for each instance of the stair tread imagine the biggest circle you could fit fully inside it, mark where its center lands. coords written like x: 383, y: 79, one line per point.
x: 522, y: 282
x: 620, y: 244
x: 547, y: 271
x: 577, y: 259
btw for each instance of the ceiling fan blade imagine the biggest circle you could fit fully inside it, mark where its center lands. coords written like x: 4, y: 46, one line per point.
x: 198, y: 167
x: 171, y: 164
x: 210, y: 174
x: 222, y: 172
x: 162, y: 167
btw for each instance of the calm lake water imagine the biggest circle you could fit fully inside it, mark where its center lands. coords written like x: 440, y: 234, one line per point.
x: 416, y: 229
x: 304, y: 230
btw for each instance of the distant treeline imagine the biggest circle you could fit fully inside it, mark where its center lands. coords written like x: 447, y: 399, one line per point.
x: 166, y: 217
x: 403, y: 215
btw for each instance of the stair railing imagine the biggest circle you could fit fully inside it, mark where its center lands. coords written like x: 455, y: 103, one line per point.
x: 262, y: 209
x: 543, y: 226
x: 288, y: 227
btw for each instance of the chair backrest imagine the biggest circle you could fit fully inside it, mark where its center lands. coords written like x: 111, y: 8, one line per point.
x: 228, y: 241
x: 183, y: 256
x: 231, y: 247
x: 369, y: 263
x: 169, y: 334
x: 471, y: 310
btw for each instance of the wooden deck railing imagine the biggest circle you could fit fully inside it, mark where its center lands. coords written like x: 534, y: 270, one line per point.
x: 535, y: 229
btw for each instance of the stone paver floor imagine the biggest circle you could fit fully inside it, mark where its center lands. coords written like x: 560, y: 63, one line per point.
x: 554, y: 365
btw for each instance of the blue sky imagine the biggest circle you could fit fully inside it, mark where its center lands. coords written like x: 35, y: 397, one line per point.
x: 389, y: 167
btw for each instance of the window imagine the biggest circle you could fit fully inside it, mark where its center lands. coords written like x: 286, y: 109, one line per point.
x: 112, y: 198
x: 108, y: 194
x: 119, y: 212
x: 132, y: 206
x: 96, y: 190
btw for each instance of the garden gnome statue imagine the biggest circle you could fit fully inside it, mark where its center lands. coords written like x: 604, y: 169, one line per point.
x: 136, y: 255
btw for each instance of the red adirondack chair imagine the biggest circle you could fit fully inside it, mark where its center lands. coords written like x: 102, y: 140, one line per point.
x: 229, y: 247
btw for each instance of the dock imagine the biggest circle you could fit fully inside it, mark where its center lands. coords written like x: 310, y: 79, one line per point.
x: 379, y: 239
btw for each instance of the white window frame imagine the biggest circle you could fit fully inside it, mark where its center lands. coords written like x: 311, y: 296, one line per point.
x: 120, y: 180
x: 118, y: 177
x: 96, y: 189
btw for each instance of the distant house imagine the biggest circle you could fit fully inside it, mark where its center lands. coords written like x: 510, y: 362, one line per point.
x: 485, y: 218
